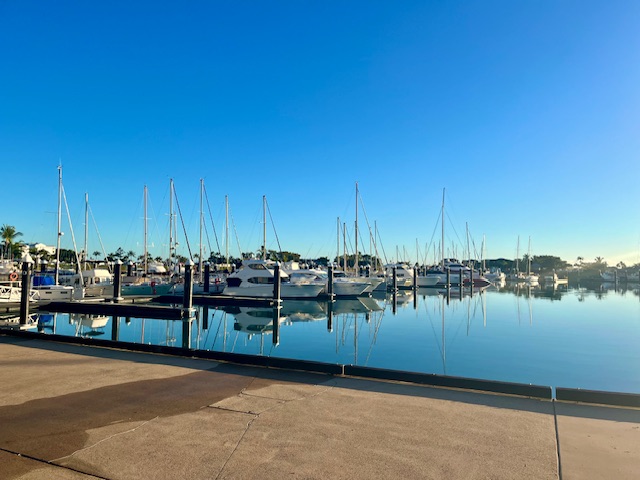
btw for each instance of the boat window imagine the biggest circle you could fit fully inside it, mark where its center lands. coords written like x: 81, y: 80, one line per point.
x: 256, y: 266
x: 261, y: 280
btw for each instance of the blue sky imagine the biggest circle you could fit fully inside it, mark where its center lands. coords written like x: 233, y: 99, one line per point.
x: 527, y: 113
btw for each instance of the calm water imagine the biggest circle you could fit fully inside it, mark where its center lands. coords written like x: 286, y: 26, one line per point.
x: 572, y: 337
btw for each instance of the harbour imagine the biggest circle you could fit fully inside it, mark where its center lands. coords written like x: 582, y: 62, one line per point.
x: 568, y: 337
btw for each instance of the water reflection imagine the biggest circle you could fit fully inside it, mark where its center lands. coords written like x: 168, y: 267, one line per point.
x: 574, y: 336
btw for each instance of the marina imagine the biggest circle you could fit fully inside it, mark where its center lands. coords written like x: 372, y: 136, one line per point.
x: 557, y: 335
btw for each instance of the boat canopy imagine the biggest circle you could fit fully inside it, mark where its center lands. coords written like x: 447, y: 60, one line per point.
x: 43, y: 281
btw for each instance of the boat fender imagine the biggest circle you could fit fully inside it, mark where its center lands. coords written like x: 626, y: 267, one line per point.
x: 153, y: 284
x: 217, y: 280
x: 13, y: 276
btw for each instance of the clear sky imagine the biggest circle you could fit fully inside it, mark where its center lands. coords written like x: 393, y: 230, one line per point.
x: 527, y: 113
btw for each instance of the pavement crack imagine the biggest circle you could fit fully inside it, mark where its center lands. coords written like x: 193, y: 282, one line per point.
x: 50, y: 463
x: 237, y: 445
x: 104, y: 440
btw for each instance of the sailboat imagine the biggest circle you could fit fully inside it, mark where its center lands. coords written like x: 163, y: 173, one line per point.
x: 530, y: 278
x: 95, y: 282
x: 151, y: 282
x: 455, y: 268
x: 516, y: 275
x: 49, y: 288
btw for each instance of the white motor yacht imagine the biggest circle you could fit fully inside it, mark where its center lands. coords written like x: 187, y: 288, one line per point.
x: 343, y: 286
x: 255, y: 279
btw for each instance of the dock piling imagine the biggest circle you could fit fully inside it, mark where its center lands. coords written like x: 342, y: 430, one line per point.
x: 415, y: 278
x: 207, y: 271
x: 117, y: 281
x: 187, y: 300
x: 330, y: 283
x: 276, y: 284
x: 276, y: 325
x: 394, y: 284
x: 27, y: 261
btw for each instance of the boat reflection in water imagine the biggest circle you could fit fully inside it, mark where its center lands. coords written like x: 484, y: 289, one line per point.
x: 88, y: 325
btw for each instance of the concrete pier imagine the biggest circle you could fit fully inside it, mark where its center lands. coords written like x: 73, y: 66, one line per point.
x: 151, y: 416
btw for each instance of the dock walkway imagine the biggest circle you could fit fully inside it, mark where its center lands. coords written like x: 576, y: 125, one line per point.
x: 78, y: 412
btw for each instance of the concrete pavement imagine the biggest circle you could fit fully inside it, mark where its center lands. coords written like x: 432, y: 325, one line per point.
x: 75, y: 412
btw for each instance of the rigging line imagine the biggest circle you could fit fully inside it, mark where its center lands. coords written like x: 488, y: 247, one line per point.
x: 222, y: 317
x: 133, y: 220
x: 435, y: 335
x: 369, y: 227
x: 206, y: 232
x: 432, y: 239
x: 73, y: 237
x: 273, y: 225
x: 215, y: 234
x: 373, y: 340
x: 99, y: 238
x: 186, y: 238
x: 235, y: 231
x: 349, y: 240
x: 382, y: 247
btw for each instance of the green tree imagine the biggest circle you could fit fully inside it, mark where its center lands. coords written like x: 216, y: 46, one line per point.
x: 9, y: 234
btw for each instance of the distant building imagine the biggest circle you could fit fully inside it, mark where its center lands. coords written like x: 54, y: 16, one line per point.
x: 40, y: 246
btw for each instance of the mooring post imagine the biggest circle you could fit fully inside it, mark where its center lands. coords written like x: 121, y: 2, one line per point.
x: 276, y: 325
x: 461, y: 277
x: 615, y: 276
x: 415, y: 278
x: 394, y: 284
x: 187, y: 300
x: 27, y: 261
x: 448, y: 284
x: 205, y: 317
x: 394, y: 302
x: 130, y: 269
x: 471, y: 281
x: 43, y: 265
x: 186, y: 333
x: 276, y: 284
x: 330, y: 283
x: 207, y: 271
x: 117, y: 281
x: 115, y: 328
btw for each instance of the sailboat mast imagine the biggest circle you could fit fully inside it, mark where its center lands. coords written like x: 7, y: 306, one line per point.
x: 57, y: 271
x: 442, y: 221
x: 518, y: 255
x: 226, y: 227
x: 375, y: 243
x: 201, y: 224
x: 338, y: 241
x: 355, y: 263
x: 264, y: 227
x: 146, y: 233
x: 171, y: 226
x: 468, y: 244
x: 344, y: 245
x: 86, y: 228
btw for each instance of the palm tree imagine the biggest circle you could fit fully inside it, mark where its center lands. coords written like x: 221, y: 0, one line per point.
x: 8, y: 233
